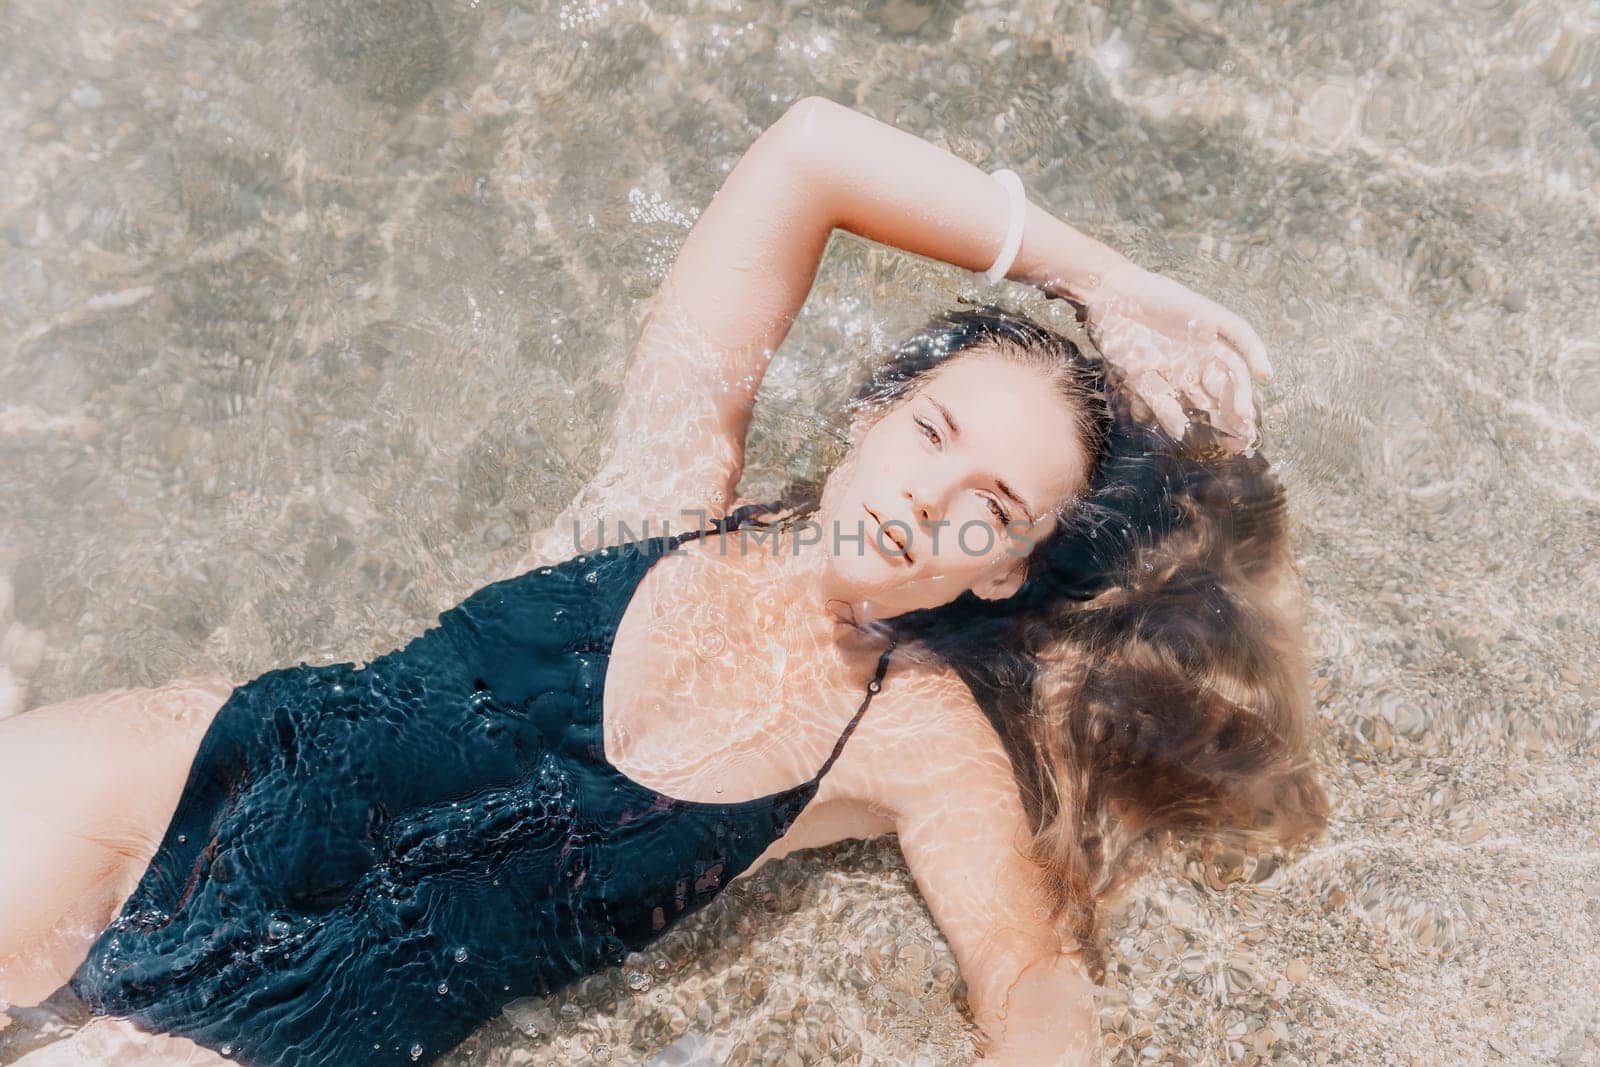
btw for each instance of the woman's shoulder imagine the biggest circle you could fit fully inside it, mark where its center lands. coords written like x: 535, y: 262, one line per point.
x: 935, y: 700
x: 919, y: 679
x: 929, y: 735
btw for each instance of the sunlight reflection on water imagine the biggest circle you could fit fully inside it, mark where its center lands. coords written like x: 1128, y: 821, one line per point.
x: 315, y: 310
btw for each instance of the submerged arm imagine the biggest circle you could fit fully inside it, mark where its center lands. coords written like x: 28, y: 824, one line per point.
x: 964, y: 834
x: 741, y: 277
x: 747, y: 266
x: 1171, y: 343
x: 678, y: 436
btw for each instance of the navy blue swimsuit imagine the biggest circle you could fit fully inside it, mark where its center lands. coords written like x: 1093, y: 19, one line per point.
x: 367, y: 863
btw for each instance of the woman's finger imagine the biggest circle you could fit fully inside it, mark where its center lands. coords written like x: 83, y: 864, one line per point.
x: 1158, y: 392
x: 1244, y: 340
x: 1219, y: 395
x: 1224, y: 375
x: 1244, y: 397
x: 1220, y: 392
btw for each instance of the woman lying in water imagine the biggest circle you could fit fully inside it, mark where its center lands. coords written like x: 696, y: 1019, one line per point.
x: 1074, y: 631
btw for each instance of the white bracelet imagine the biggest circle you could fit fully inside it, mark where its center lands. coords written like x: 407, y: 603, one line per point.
x: 1013, y: 242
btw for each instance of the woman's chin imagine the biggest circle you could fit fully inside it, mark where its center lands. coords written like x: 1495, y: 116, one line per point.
x: 873, y: 586
x: 858, y: 578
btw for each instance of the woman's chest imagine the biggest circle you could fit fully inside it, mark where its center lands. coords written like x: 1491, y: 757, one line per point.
x: 704, y: 699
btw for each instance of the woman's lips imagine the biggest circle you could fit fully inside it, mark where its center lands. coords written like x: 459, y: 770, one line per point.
x: 893, y: 535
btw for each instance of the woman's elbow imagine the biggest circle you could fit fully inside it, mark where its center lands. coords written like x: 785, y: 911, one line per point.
x: 810, y: 112
x: 805, y: 125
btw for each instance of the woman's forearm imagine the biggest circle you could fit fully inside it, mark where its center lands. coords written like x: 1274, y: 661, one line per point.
x: 750, y: 260
x: 893, y: 187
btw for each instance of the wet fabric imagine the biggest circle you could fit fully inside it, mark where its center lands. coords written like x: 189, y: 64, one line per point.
x: 367, y: 863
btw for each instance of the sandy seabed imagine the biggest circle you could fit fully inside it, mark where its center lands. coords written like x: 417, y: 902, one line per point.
x: 313, y: 310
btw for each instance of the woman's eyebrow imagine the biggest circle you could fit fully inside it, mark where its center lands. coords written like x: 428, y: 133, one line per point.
x: 955, y: 431
x: 1023, y: 504
x: 1000, y: 484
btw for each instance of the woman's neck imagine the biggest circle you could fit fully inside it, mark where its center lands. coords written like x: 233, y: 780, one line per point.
x: 794, y: 604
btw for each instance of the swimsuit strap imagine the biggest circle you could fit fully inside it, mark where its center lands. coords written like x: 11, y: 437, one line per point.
x: 731, y: 522
x: 727, y: 523
x: 872, y: 688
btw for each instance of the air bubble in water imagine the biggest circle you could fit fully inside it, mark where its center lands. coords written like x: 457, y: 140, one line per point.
x: 461, y: 955
x: 416, y: 1052
x: 444, y: 987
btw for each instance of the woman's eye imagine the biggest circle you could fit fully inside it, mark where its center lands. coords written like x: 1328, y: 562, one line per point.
x: 999, y: 511
x: 928, y: 431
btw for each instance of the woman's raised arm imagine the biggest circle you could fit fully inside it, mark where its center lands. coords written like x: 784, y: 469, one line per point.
x: 1172, y: 343
x: 747, y: 266
x: 743, y: 273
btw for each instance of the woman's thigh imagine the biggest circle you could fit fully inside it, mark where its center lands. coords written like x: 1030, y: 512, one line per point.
x: 118, y: 1043
x: 87, y: 788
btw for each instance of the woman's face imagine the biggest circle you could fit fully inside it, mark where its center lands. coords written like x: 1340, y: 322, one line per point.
x: 951, y: 488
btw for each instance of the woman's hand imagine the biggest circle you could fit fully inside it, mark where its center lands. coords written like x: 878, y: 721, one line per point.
x: 1175, y: 345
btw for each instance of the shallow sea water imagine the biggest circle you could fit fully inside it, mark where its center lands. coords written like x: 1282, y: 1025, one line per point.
x: 312, y: 311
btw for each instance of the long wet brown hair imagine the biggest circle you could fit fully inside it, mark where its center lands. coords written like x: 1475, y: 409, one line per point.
x: 1148, y: 680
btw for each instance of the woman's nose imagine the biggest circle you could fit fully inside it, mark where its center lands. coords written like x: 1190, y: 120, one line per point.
x: 923, y: 508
